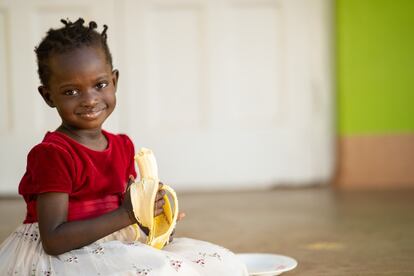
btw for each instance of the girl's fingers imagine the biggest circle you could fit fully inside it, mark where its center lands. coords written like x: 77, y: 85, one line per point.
x: 181, y: 215
x: 160, y: 203
x: 158, y: 211
x: 160, y: 195
x: 158, y: 206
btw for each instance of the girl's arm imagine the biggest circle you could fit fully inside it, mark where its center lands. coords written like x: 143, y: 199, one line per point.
x: 59, y: 236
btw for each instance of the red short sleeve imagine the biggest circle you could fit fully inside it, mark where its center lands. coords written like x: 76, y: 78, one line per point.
x: 50, y: 169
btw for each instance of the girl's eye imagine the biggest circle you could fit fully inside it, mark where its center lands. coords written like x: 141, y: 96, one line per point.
x: 101, y: 85
x: 71, y: 92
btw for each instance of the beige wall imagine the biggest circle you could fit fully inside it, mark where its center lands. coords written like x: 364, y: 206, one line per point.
x: 375, y: 161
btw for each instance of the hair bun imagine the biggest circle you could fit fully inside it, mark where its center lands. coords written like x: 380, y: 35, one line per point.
x: 66, y: 23
x: 92, y: 25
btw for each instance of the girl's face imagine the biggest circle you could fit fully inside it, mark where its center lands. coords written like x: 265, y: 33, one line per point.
x: 82, y: 88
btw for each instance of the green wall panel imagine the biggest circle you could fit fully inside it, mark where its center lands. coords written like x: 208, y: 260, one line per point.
x: 375, y: 66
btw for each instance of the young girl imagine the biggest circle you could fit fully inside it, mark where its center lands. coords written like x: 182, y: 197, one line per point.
x: 79, y: 218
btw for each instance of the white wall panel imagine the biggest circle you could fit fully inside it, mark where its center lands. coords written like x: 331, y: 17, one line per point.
x: 5, y: 116
x: 228, y: 93
x: 176, y: 70
x: 254, y: 80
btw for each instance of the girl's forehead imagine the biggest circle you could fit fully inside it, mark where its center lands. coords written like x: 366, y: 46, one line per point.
x: 83, y: 62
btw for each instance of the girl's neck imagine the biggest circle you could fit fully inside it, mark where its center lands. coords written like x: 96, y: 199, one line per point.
x: 91, y: 138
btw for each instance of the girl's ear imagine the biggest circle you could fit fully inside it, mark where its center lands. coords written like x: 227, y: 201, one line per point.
x: 44, y: 92
x: 115, y: 77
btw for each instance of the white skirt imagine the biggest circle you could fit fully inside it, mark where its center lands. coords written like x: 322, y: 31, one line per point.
x: 22, y: 254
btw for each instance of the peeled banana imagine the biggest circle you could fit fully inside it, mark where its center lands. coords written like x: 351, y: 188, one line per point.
x: 143, y: 195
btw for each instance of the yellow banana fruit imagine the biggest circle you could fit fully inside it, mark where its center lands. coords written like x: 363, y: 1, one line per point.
x: 143, y: 195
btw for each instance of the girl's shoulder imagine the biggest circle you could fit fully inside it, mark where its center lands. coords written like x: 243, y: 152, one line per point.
x: 52, y: 140
x: 51, y: 145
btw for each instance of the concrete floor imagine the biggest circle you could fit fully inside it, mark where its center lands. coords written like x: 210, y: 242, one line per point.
x: 326, y: 231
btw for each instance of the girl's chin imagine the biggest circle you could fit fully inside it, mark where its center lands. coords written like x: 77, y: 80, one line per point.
x: 85, y: 124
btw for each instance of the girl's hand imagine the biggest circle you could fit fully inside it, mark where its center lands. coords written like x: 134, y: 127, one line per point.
x: 127, y: 204
x: 159, y: 201
x: 158, y: 205
x: 158, y: 208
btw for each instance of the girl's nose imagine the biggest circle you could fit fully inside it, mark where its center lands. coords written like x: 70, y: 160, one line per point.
x: 89, y: 98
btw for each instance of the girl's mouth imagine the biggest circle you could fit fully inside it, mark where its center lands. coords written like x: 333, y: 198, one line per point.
x: 91, y: 114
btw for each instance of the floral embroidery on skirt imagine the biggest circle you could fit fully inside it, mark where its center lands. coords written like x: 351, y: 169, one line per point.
x: 117, y: 254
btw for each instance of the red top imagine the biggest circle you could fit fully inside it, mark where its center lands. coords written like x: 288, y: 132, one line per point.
x: 94, y: 180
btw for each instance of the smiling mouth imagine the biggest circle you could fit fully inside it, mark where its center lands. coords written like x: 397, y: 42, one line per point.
x: 91, y: 114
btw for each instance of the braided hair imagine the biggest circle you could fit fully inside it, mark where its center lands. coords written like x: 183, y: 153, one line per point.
x: 68, y: 38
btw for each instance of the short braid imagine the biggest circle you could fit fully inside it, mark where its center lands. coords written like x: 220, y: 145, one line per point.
x: 68, y: 38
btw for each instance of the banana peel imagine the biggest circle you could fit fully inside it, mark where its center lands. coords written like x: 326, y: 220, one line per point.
x: 143, y: 194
